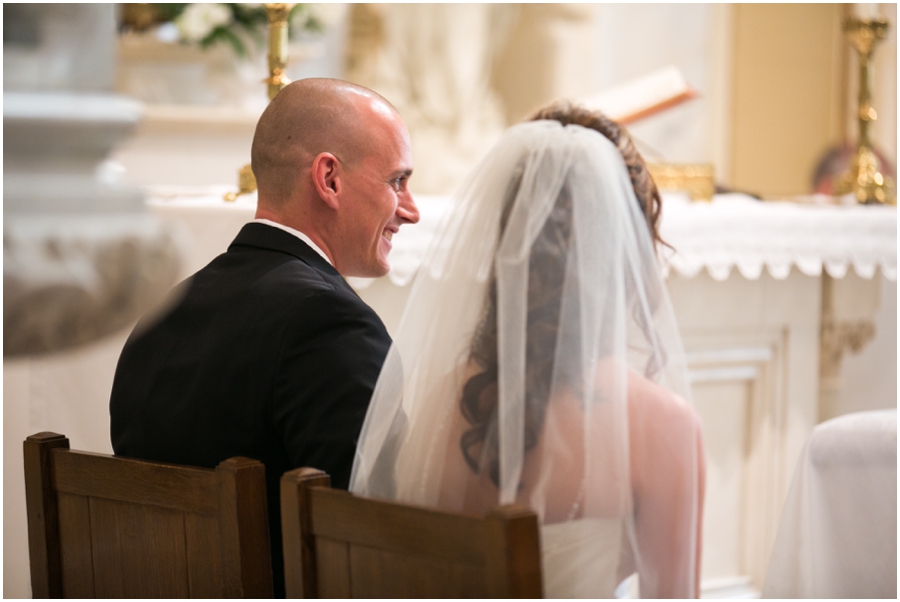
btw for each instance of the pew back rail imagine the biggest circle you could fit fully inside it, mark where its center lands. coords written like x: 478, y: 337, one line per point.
x: 337, y: 545
x: 101, y: 526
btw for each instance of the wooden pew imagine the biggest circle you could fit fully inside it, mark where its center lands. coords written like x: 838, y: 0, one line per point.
x: 337, y: 545
x: 101, y: 526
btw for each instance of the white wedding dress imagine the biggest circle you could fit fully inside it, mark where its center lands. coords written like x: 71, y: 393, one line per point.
x: 578, y: 560
x: 538, y: 362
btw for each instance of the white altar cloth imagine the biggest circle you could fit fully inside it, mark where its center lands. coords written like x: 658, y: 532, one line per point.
x: 838, y: 531
x: 733, y: 231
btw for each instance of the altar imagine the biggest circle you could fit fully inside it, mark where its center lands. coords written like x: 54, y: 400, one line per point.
x: 757, y: 288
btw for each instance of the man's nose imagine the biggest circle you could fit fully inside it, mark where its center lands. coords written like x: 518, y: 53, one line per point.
x: 407, y: 210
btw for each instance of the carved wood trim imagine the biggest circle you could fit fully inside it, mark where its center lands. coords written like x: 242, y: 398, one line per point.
x: 836, y: 337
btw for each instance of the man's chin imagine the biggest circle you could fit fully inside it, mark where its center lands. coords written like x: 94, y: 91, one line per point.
x: 374, y: 271
x: 381, y: 271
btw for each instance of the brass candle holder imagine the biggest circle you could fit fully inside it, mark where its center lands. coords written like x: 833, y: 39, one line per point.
x: 695, y: 180
x: 864, y: 178
x: 278, y: 56
x: 278, y: 47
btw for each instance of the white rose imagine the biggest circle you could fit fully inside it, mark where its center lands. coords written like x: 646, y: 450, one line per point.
x: 168, y: 33
x: 198, y: 20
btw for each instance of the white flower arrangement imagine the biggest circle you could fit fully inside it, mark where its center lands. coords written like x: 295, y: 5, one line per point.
x: 236, y: 24
x: 199, y: 20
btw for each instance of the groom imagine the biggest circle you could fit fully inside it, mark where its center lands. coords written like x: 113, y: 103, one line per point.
x: 269, y: 354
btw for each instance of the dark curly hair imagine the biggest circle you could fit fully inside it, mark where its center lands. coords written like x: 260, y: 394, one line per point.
x: 645, y: 189
x: 546, y: 278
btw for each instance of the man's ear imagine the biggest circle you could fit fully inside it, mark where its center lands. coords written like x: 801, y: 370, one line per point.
x: 327, y: 178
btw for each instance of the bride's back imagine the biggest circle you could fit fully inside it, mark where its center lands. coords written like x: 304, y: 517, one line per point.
x: 538, y: 362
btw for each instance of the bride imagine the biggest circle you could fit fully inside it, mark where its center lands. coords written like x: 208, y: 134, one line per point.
x: 538, y: 362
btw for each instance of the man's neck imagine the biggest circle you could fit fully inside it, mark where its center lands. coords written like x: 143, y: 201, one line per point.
x: 308, y: 235
x: 299, y: 212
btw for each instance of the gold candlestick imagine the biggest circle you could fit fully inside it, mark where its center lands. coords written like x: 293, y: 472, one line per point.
x: 278, y: 47
x: 278, y: 55
x: 864, y: 178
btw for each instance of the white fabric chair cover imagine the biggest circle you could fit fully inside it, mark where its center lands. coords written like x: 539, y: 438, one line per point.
x: 838, y: 531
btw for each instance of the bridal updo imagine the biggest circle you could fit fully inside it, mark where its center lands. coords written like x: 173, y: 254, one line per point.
x: 546, y: 279
x: 645, y: 189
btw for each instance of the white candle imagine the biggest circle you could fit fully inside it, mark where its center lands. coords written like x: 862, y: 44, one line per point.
x: 866, y: 11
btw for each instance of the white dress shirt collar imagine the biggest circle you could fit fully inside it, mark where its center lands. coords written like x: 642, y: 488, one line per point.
x: 296, y: 233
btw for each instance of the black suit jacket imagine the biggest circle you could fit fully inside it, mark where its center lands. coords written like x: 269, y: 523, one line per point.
x: 269, y: 354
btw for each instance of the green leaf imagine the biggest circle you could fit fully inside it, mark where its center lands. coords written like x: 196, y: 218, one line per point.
x: 297, y: 8
x: 310, y: 23
x: 222, y: 34
x: 249, y: 16
x: 255, y: 32
x: 314, y: 25
x: 169, y: 12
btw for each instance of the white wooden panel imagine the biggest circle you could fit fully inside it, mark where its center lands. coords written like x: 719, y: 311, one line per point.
x: 723, y: 407
x: 752, y: 350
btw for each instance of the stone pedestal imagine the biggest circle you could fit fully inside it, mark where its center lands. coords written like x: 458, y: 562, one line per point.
x: 81, y: 257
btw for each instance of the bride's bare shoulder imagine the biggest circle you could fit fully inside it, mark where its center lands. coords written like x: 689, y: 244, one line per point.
x: 664, y: 430
x: 649, y: 401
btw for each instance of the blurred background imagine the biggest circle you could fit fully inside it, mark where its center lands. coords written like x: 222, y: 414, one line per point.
x: 776, y: 84
x: 149, y: 110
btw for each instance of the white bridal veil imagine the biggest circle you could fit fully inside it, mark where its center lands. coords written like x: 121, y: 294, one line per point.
x: 538, y: 362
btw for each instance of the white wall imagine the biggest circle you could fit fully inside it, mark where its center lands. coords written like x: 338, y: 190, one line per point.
x: 635, y: 39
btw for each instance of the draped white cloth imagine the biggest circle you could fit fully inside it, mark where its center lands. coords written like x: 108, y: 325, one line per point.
x: 737, y: 231
x: 733, y: 235
x: 838, y: 531
x: 538, y: 362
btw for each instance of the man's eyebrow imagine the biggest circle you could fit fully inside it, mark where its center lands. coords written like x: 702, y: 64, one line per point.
x: 401, y: 172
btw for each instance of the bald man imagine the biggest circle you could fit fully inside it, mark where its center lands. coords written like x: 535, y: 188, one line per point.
x: 269, y: 354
